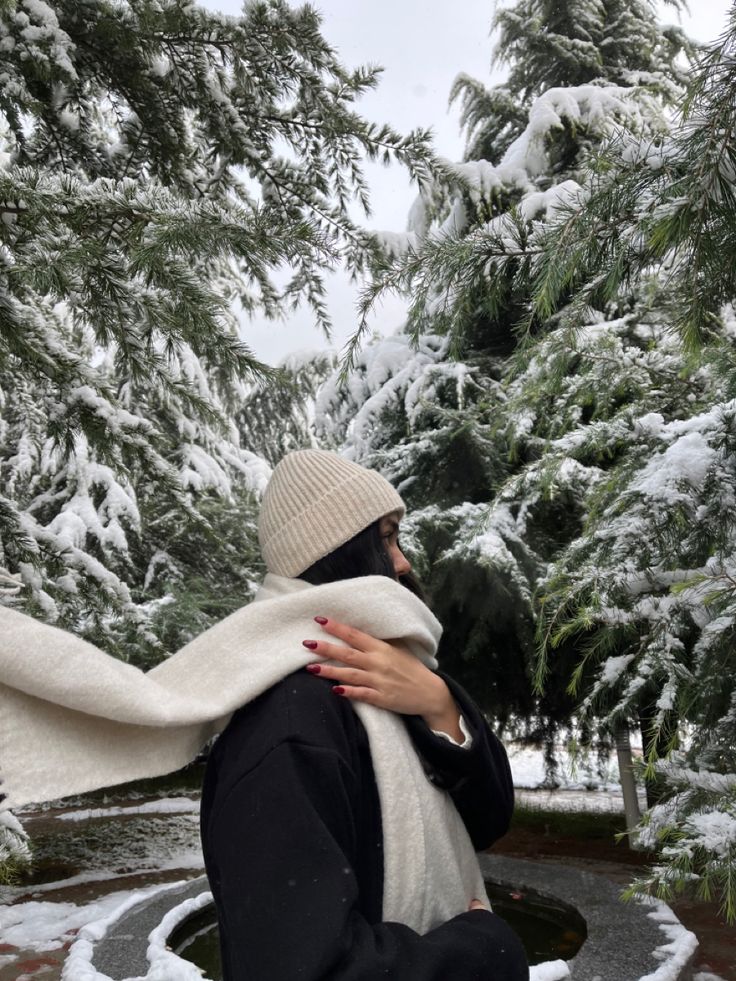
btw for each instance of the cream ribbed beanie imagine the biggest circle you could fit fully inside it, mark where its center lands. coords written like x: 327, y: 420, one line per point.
x: 316, y: 501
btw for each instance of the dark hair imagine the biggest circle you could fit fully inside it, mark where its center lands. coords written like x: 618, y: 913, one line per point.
x: 365, y: 554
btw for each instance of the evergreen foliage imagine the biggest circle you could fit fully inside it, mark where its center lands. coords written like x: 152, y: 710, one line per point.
x: 14, y: 850
x: 581, y: 276
x: 275, y: 419
x: 647, y: 591
x: 462, y: 264
x: 162, y: 169
x: 547, y: 45
x: 665, y: 205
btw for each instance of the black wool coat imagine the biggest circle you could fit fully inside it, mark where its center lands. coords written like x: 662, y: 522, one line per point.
x: 293, y: 845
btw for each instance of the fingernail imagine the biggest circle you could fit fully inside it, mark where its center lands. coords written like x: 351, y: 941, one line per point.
x: 311, y: 644
x: 321, y: 620
x: 338, y: 690
x: 314, y: 668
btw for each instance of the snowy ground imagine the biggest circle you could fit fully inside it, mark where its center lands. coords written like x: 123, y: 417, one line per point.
x: 585, y: 784
x: 96, y: 856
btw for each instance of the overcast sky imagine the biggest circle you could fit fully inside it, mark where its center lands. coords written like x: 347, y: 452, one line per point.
x: 422, y: 45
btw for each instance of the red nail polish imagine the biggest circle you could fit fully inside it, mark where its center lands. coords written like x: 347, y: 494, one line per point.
x: 311, y: 644
x: 321, y: 620
x: 338, y: 690
x: 314, y: 668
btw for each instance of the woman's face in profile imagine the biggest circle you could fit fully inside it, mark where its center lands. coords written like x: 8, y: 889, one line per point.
x: 390, y: 533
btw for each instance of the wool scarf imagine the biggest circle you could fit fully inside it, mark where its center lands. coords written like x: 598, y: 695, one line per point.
x: 73, y: 719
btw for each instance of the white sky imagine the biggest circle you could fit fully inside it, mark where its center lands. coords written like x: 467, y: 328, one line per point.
x: 422, y: 45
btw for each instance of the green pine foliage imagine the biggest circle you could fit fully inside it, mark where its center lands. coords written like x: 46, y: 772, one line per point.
x: 15, y: 852
x: 581, y: 275
x: 667, y: 205
x: 164, y: 171
x: 694, y: 831
x: 462, y: 266
x: 196, y: 566
x: 646, y: 592
x: 547, y: 45
x: 275, y: 419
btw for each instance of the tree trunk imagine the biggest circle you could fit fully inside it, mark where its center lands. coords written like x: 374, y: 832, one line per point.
x: 628, y: 785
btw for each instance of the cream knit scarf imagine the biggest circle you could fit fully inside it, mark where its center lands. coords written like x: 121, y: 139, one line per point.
x: 73, y: 719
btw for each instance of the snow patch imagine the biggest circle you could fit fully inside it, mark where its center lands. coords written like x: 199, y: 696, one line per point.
x: 549, y: 971
x: 169, y: 805
x: 78, y: 965
x: 165, y: 964
x: 614, y: 667
x: 552, y: 201
x: 680, y: 947
x: 575, y: 772
x: 44, y: 925
x: 650, y: 424
x: 714, y: 830
x: 687, y: 461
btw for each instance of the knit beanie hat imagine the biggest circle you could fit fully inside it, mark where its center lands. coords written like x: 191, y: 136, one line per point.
x: 316, y: 501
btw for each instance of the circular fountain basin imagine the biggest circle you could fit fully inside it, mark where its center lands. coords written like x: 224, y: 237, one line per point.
x: 625, y: 941
x: 548, y: 929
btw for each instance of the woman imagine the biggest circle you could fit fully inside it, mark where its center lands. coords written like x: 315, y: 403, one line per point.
x: 339, y: 837
x: 342, y: 806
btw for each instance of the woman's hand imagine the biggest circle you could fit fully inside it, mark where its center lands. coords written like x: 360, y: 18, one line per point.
x: 385, y: 674
x: 477, y: 904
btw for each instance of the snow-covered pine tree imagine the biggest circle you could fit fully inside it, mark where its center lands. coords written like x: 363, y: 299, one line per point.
x: 445, y: 430
x: 666, y: 204
x: 547, y: 135
x: 157, y: 164
x: 618, y: 414
x: 644, y: 595
x: 647, y: 591
x: 547, y: 45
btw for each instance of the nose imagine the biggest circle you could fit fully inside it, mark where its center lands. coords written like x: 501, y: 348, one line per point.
x: 400, y: 562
